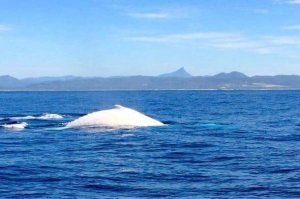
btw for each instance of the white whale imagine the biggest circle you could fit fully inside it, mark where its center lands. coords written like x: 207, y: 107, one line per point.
x: 118, y: 117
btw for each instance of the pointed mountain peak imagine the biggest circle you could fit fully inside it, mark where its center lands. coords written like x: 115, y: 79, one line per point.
x: 181, y: 72
x: 181, y: 69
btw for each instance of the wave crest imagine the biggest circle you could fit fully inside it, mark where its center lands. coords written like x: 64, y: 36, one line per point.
x: 48, y: 116
x: 21, y: 125
x: 45, y: 116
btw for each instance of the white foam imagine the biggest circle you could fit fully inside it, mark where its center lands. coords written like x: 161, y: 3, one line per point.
x: 56, y: 128
x: 118, y: 117
x: 127, y: 135
x: 15, y: 126
x: 46, y: 116
x: 49, y: 116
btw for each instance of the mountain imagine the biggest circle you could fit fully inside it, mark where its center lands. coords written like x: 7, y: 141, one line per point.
x: 181, y: 73
x: 36, y: 80
x: 232, y: 75
x: 179, y: 79
x: 7, y: 82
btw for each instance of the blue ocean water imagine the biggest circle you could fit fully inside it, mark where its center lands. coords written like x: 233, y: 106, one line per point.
x: 216, y: 144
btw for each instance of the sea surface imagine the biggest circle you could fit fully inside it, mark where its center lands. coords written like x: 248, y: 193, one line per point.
x: 216, y: 144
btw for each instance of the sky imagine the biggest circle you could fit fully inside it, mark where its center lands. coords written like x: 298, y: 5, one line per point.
x: 143, y: 37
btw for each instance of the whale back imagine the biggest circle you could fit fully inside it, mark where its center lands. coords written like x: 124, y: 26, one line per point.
x: 118, y: 117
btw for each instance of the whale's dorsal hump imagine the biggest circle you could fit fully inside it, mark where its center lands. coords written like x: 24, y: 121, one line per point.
x: 118, y: 117
x: 119, y: 106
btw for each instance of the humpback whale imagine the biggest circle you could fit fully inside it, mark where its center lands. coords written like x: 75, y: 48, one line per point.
x: 117, y: 117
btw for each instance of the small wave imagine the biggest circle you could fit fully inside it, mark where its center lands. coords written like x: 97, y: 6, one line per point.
x: 216, y: 126
x: 169, y: 122
x: 15, y: 125
x: 129, y: 171
x: 56, y: 128
x: 127, y: 135
x: 29, y: 117
x: 46, y: 116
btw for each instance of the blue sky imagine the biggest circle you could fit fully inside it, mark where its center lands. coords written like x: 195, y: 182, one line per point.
x: 143, y: 37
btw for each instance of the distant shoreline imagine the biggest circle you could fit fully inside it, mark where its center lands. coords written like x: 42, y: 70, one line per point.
x: 178, y: 80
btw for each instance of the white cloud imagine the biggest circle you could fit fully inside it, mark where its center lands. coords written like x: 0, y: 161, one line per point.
x: 261, y: 11
x: 294, y: 1
x: 284, y: 40
x: 165, y: 13
x: 196, y: 36
x: 292, y: 27
x: 4, y: 28
x: 151, y: 15
x: 219, y: 40
x: 286, y: 1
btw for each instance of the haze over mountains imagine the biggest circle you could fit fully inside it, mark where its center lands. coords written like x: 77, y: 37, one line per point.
x: 179, y: 79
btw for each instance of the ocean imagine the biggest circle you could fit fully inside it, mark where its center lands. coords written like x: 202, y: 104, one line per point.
x: 215, y: 144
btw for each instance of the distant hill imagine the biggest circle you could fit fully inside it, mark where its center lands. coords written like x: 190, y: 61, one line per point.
x: 232, y: 75
x: 181, y: 72
x: 7, y: 82
x: 37, y: 80
x: 179, y: 79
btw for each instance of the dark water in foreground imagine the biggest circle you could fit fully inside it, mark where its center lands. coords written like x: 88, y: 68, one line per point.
x: 217, y: 144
